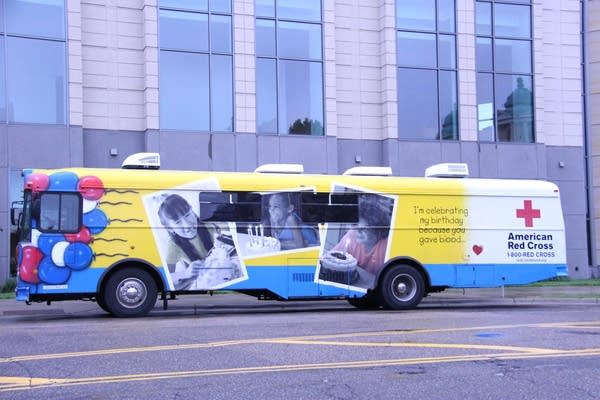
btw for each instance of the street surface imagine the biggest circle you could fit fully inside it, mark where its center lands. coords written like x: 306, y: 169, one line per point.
x: 541, y: 344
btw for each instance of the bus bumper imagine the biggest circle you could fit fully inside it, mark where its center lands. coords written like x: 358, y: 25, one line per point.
x: 22, y: 293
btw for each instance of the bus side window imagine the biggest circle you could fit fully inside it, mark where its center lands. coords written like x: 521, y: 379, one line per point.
x: 329, y: 207
x: 229, y: 206
x: 60, y: 212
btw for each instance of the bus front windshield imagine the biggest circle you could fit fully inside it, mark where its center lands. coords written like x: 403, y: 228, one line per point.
x: 25, y: 222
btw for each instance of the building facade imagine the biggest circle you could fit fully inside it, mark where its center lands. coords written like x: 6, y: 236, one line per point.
x: 506, y: 86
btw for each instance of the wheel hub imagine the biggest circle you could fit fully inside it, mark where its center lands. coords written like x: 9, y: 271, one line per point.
x: 131, y: 292
x: 404, y: 287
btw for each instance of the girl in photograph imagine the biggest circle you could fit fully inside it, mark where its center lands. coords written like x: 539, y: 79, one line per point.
x: 190, y: 240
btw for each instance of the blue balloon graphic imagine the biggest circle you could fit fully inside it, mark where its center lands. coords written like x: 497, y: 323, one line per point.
x: 19, y: 254
x: 78, y: 256
x: 95, y: 221
x: 52, y: 274
x: 66, y: 181
x: 47, y: 240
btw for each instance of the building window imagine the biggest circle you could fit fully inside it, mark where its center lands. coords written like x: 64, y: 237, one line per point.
x: 33, y: 62
x: 427, y: 72
x: 196, y: 65
x: 289, y: 67
x: 504, y: 71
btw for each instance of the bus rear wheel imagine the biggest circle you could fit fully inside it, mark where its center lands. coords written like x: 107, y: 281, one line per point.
x: 130, y: 292
x: 401, y: 287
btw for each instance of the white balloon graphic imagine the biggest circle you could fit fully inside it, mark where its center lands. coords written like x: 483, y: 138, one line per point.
x: 35, y: 235
x: 89, y: 205
x: 58, y: 253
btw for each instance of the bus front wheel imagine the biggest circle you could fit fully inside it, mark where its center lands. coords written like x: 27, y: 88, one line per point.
x: 401, y: 287
x: 130, y: 292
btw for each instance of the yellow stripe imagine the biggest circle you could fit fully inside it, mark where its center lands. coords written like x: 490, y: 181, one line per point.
x: 39, y: 382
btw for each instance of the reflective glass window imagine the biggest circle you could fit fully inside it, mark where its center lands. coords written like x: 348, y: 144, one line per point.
x: 45, y: 19
x: 416, y: 49
x: 483, y: 18
x: 184, y: 92
x: 511, y: 20
x: 266, y: 95
x: 298, y: 40
x: 223, y: 6
x: 446, y: 18
x: 220, y: 33
x: 183, y: 30
x: 417, y: 104
x: 2, y: 84
x: 514, y: 108
x: 289, y: 67
x: 300, y: 92
x: 36, y: 81
x: 265, y: 38
x: 484, y: 54
x: 427, y: 85
x: 448, y: 105
x: 305, y: 10
x: 485, y: 107
x: 265, y: 8
x: 221, y: 93
x: 447, y: 51
x: 195, y: 5
x: 196, y: 69
x: 415, y: 15
x: 505, y: 75
x: 512, y: 55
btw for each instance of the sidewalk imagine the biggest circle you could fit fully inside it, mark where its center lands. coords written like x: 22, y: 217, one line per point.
x: 588, y: 294
x: 450, y: 297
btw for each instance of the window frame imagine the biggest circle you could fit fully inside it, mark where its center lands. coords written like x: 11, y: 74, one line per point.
x: 209, y: 53
x: 277, y: 61
x: 438, y: 33
x: 59, y: 214
x: 494, y: 73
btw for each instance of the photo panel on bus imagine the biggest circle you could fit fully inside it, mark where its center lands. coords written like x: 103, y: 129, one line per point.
x: 198, y: 253
x: 355, y: 246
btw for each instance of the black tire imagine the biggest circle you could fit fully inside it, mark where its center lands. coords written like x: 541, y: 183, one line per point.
x: 401, y: 287
x: 130, y: 292
x: 368, y: 302
x: 102, y: 303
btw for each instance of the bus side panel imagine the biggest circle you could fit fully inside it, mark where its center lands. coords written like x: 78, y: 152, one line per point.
x: 491, y: 275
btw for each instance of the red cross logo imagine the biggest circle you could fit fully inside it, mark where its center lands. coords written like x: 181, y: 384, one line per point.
x: 528, y: 213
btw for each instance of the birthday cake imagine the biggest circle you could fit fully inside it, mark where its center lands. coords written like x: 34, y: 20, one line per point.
x: 218, y: 268
x: 262, y: 245
x: 338, y: 266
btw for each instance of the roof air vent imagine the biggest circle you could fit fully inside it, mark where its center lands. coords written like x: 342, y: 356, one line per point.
x: 369, y: 171
x: 447, y: 170
x: 142, y: 161
x: 280, y: 169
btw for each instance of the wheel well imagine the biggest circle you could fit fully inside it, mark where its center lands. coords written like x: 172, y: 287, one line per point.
x: 138, y: 264
x: 406, y: 261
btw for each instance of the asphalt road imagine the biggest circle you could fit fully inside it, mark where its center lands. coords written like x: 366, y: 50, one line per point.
x: 474, y: 345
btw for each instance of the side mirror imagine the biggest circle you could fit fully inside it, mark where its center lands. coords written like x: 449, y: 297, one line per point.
x: 15, y: 215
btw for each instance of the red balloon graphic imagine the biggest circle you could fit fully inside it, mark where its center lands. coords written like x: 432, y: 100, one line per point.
x: 30, y: 259
x: 83, y: 236
x: 90, y: 187
x: 37, y: 182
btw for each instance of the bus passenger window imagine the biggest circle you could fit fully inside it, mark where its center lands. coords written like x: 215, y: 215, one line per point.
x: 60, y: 212
x: 329, y: 207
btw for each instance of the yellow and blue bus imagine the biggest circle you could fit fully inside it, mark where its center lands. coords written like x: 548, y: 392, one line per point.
x: 123, y: 236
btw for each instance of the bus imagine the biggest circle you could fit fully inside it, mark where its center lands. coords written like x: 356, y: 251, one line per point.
x: 121, y: 237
